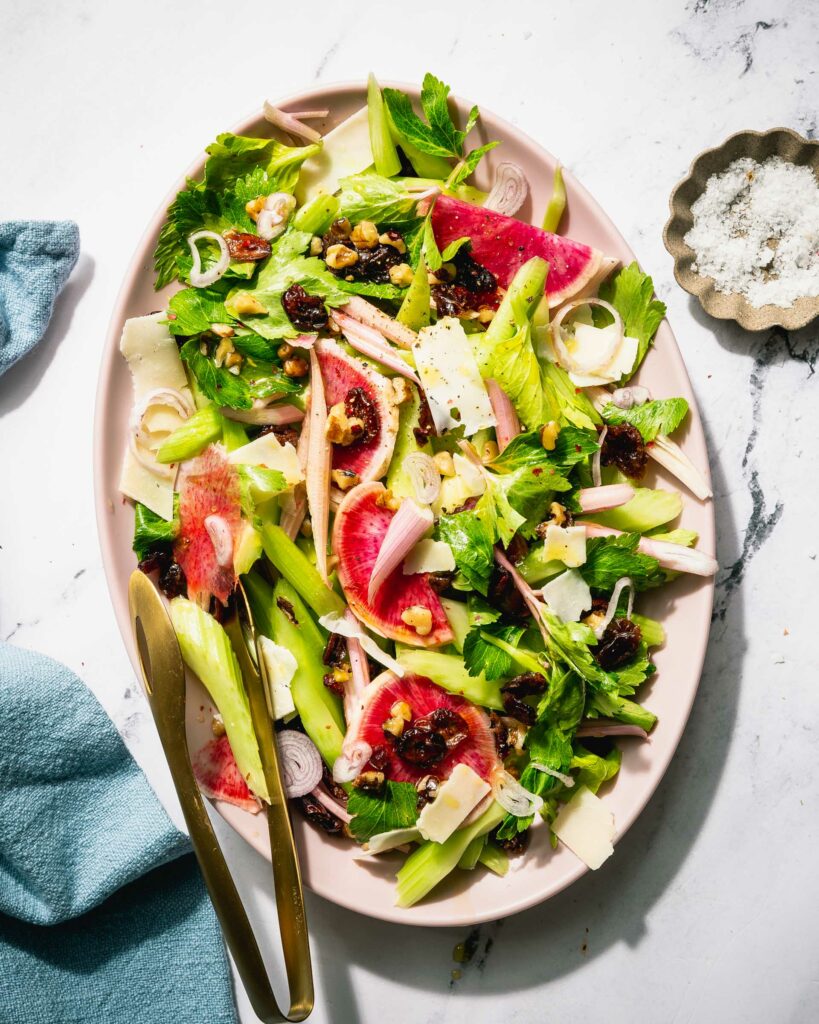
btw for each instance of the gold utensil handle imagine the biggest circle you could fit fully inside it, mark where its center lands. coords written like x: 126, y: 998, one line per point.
x: 163, y: 673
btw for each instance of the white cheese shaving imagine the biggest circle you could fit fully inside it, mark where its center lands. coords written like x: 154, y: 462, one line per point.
x: 468, y: 482
x: 337, y: 622
x: 460, y: 794
x: 345, y: 150
x: 565, y: 544
x: 429, y: 556
x: 153, y: 359
x: 452, y: 381
x: 568, y: 596
x: 756, y: 231
x: 621, y: 363
x: 586, y: 827
x: 269, y: 453
x: 280, y: 665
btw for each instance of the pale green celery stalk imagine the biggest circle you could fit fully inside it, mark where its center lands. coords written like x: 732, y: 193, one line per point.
x: 385, y: 155
x: 424, y: 165
x: 688, y: 538
x: 557, y: 204
x: 536, y: 569
x: 414, y: 311
x: 458, y: 615
x: 449, y: 671
x: 319, y: 709
x: 472, y: 854
x: 523, y: 295
x: 653, y: 632
x: 628, y: 711
x: 317, y: 215
x: 494, y: 858
x: 432, y: 862
x: 195, y: 434
x: 207, y: 652
x: 468, y: 193
x: 647, y: 510
x: 234, y: 434
x: 297, y: 569
x: 200, y: 400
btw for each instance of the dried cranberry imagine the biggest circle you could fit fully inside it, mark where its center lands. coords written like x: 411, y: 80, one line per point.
x: 451, y: 726
x: 441, y: 582
x: 335, y: 650
x: 517, y: 550
x: 500, y: 734
x: 172, y: 581
x: 618, y: 645
x: 471, y: 275
x: 453, y: 300
x: 246, y: 248
x: 358, y: 404
x: 516, y: 844
x: 374, y: 264
x: 332, y: 787
x: 426, y: 425
x: 305, y: 312
x: 427, y: 789
x: 284, y: 434
x: 421, y: 747
x: 503, y: 595
x: 379, y: 759
x: 623, y: 447
x: 333, y: 685
x: 515, y: 690
x: 319, y: 816
x: 157, y: 560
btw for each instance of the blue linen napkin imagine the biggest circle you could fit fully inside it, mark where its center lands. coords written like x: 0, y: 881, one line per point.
x: 103, y: 915
x: 36, y: 258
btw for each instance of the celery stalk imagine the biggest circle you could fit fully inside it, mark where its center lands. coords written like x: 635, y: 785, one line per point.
x: 195, y: 434
x: 207, y: 652
x: 653, y: 632
x: 317, y: 215
x: 647, y: 510
x: 458, y: 615
x: 385, y: 154
x: 414, y: 311
x: 424, y: 165
x: 557, y: 204
x: 472, y: 854
x: 611, y: 706
x: 297, y: 569
x: 449, y: 671
x: 494, y: 858
x: 234, y: 434
x: 519, y: 302
x: 432, y: 862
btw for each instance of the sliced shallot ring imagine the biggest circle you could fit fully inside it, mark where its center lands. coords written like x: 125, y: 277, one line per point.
x: 319, y: 455
x: 366, y: 313
x: 628, y: 397
x: 407, y: 527
x: 290, y: 123
x: 203, y: 279
x: 597, y: 476
x: 567, y: 360
x: 600, y: 498
x: 509, y: 190
x: 300, y: 762
x: 507, y: 424
x: 514, y: 798
x: 277, y: 415
x: 567, y: 780
x: 607, y: 727
x: 274, y: 215
x: 623, y: 583
x: 369, y: 342
x: 424, y: 477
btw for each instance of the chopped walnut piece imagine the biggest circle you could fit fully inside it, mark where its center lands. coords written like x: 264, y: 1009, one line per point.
x: 418, y: 618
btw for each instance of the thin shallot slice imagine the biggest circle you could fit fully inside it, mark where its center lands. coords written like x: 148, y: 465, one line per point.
x: 671, y: 457
x: 598, y: 499
x: 366, y: 313
x: 291, y: 123
x: 274, y: 215
x: 331, y: 804
x: 507, y: 424
x: 675, y: 557
x: 407, y: 527
x: 222, y: 539
x: 369, y: 342
x: 318, y: 465
x: 606, y: 727
x: 513, y: 798
x: 567, y: 780
x: 622, y: 584
x: 424, y: 477
x: 596, y: 472
x: 509, y: 190
x: 203, y: 278
x: 300, y: 762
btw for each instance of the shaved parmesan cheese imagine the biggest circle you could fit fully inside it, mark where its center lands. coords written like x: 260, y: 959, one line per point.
x: 621, y: 363
x: 468, y: 482
x: 565, y: 544
x: 153, y: 359
x: 452, y: 381
x: 429, y: 556
x: 391, y: 840
x: 269, y: 453
x: 586, y: 827
x: 345, y: 150
x: 568, y: 596
x: 280, y: 666
x: 462, y: 791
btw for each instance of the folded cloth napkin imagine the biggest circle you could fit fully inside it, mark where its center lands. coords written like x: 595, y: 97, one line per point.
x: 103, y: 913
x: 36, y: 258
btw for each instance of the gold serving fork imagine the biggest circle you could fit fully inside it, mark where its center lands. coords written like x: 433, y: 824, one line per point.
x: 163, y: 673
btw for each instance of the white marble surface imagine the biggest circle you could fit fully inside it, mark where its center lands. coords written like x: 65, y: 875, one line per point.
x: 708, y: 910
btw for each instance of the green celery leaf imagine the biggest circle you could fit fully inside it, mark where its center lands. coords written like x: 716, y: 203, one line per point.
x: 661, y: 416
x: 481, y: 655
x: 369, y: 196
x: 470, y: 163
x: 631, y: 292
x: 472, y: 545
x: 193, y: 310
x: 373, y: 814
x: 256, y: 379
x: 593, y: 770
x: 608, y: 559
x: 151, y: 530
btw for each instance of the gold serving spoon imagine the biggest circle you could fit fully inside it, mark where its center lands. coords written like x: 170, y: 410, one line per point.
x: 163, y: 673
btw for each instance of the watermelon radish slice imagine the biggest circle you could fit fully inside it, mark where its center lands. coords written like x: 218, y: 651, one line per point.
x: 342, y: 374
x: 503, y: 244
x: 358, y: 532
x: 208, y: 486
x: 219, y: 778
x: 477, y: 749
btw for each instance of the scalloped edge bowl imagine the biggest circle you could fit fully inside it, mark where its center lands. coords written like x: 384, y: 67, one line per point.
x: 331, y: 868
x: 724, y: 305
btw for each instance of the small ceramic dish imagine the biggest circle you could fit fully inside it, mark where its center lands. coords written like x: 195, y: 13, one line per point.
x: 729, y: 306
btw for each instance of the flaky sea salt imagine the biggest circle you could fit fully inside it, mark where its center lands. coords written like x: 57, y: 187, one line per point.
x: 756, y: 231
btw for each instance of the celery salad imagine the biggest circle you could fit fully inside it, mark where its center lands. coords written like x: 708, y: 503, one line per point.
x: 401, y: 420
